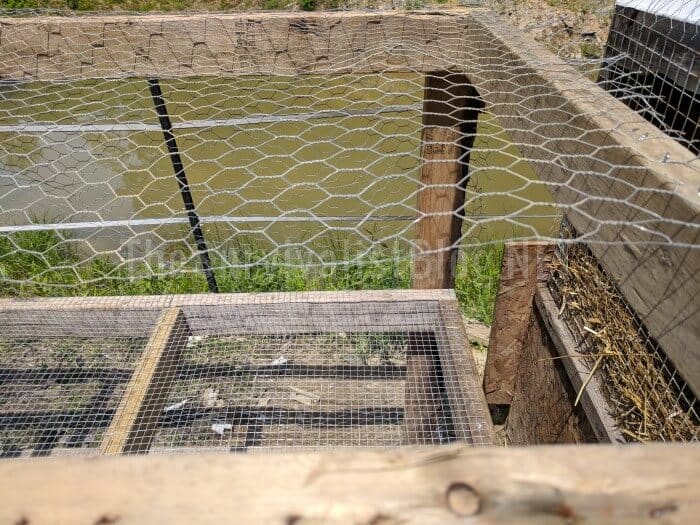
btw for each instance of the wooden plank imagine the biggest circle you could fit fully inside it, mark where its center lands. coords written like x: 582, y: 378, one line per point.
x: 424, y: 403
x: 631, y: 190
x: 164, y: 301
x: 135, y: 421
x: 656, y: 483
x: 466, y: 398
x: 594, y: 403
x: 524, y: 265
x: 542, y: 410
x: 353, y: 311
x: 450, y: 113
x: 231, y: 45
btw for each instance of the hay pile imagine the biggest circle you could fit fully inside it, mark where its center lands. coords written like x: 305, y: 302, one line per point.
x: 648, y: 399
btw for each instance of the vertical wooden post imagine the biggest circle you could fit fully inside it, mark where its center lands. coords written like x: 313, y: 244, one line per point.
x: 451, y: 108
x: 525, y: 264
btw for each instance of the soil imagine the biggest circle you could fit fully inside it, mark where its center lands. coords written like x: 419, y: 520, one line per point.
x: 71, y: 383
x: 277, y: 392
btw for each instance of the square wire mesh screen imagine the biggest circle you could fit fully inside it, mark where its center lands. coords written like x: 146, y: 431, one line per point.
x: 238, y: 373
x: 59, y: 384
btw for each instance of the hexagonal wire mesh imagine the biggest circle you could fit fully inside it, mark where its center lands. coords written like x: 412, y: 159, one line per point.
x: 309, y: 152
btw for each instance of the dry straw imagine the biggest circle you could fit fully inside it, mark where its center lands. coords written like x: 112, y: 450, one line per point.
x: 647, y: 396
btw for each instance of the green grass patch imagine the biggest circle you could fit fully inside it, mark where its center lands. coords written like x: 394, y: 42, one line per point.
x: 43, y: 264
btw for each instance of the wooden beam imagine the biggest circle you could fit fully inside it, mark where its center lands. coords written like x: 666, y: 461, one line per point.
x: 425, y: 405
x: 524, y: 265
x: 450, y: 112
x: 542, y: 410
x: 595, y: 404
x: 223, y: 314
x: 231, y: 45
x: 656, y: 483
x: 466, y: 397
x: 628, y: 188
x: 134, y: 424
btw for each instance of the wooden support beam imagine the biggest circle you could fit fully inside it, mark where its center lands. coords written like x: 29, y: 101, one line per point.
x: 450, y: 112
x: 135, y: 421
x: 467, y: 403
x: 425, y: 405
x: 644, y: 485
x: 524, y: 265
x: 222, y: 44
x: 542, y: 410
x: 222, y: 314
x: 594, y: 403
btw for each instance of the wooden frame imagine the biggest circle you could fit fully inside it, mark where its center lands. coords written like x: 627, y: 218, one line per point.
x: 656, y: 483
x: 577, y: 137
x: 447, y: 382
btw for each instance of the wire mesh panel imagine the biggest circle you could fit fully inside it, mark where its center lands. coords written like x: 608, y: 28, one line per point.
x: 60, y: 382
x: 238, y: 373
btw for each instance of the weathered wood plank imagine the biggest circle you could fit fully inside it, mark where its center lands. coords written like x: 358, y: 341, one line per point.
x: 424, y: 404
x: 450, y: 113
x: 135, y: 421
x: 355, y: 311
x: 594, y: 403
x: 524, y: 265
x: 623, y: 184
x: 466, y: 397
x: 542, y: 410
x: 647, y: 484
x: 163, y: 301
x: 234, y: 44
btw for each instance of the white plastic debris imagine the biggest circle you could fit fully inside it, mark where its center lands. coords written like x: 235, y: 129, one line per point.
x: 281, y: 360
x: 193, y: 340
x: 220, y: 428
x: 210, y: 398
x: 177, y: 405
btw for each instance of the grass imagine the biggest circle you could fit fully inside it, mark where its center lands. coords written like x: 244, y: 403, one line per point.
x: 42, y: 263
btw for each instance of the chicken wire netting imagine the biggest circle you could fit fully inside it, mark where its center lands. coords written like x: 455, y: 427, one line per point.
x: 235, y: 152
x: 265, y: 152
x: 236, y: 376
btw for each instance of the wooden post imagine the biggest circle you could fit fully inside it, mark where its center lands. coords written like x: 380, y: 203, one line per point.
x: 134, y: 424
x: 423, y: 400
x: 451, y: 108
x: 542, y: 409
x: 524, y: 266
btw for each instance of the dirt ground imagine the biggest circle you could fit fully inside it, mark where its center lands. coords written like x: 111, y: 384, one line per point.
x: 574, y: 29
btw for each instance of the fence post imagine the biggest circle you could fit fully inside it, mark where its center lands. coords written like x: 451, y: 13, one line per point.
x: 185, y: 193
x: 451, y: 107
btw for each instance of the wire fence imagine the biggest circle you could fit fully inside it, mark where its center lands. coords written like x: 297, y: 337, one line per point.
x: 227, y: 152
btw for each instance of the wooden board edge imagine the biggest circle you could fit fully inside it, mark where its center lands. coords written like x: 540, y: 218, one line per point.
x: 163, y: 301
x: 462, y: 378
x: 595, y: 404
x: 524, y: 265
x: 133, y: 424
x: 656, y: 483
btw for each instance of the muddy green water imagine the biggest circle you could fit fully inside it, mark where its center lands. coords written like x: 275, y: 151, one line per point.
x: 350, y: 166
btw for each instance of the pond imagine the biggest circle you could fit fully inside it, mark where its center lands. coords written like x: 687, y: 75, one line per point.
x: 283, y: 161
